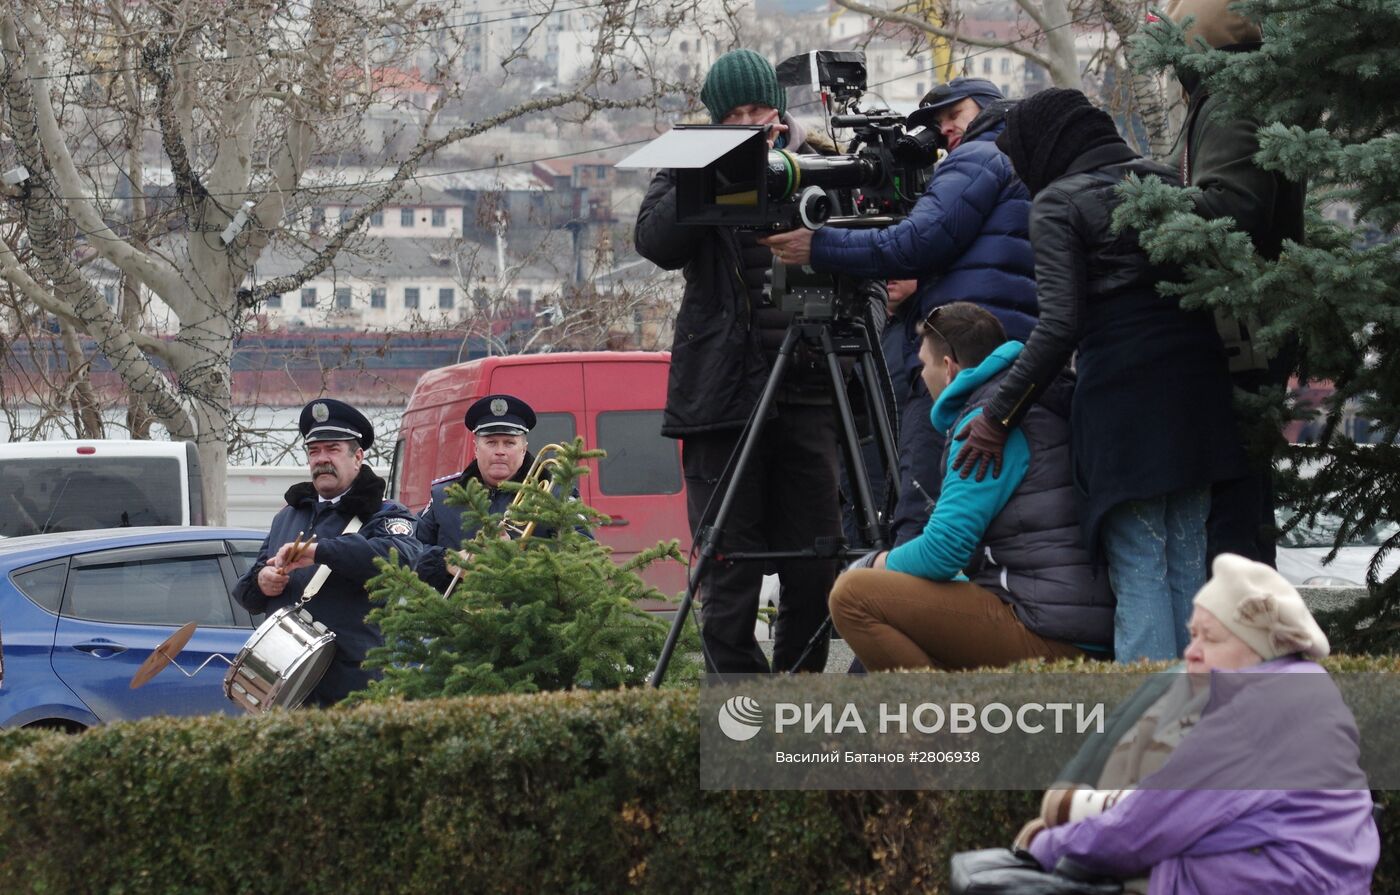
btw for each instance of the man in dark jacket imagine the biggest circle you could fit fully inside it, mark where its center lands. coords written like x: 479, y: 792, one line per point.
x: 343, y: 490
x: 1215, y: 153
x: 965, y: 240
x: 727, y: 335
x: 1030, y: 588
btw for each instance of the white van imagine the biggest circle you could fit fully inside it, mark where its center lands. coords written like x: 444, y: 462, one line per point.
x: 80, y: 485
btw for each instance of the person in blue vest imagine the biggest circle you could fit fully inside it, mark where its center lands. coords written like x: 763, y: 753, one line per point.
x: 965, y: 239
x: 999, y: 573
x: 500, y: 426
x: 342, y: 489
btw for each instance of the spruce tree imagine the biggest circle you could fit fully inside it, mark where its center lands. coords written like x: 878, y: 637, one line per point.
x: 540, y: 613
x: 1325, y: 88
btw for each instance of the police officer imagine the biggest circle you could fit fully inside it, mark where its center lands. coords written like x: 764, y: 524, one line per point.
x: 499, y: 425
x: 342, y: 488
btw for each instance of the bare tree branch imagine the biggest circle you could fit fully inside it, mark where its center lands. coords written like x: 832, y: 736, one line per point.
x: 37, y: 207
x: 951, y: 34
x: 155, y: 276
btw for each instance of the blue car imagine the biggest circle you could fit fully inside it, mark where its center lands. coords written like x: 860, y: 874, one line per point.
x: 80, y: 611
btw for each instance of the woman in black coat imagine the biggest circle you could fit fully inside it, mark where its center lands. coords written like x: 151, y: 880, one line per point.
x: 1152, y: 425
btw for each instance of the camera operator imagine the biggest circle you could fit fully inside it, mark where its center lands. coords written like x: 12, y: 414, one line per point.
x: 727, y: 336
x: 966, y: 239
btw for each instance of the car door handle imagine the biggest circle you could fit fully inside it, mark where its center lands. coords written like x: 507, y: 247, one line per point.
x: 102, y: 649
x: 617, y: 522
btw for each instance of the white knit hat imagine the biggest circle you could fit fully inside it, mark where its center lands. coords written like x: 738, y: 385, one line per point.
x: 1261, y: 608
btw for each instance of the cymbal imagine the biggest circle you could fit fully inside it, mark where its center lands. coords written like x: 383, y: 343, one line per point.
x: 162, y: 655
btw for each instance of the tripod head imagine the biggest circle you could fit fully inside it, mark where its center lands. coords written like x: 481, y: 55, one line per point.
x: 820, y: 296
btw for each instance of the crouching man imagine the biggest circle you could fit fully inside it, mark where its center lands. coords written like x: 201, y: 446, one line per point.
x: 999, y: 573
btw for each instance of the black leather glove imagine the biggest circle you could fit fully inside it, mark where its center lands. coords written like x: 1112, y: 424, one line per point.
x: 986, y: 441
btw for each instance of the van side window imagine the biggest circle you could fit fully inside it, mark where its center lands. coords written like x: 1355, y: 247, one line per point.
x: 166, y: 591
x: 552, y: 428
x: 43, y: 584
x: 639, y: 460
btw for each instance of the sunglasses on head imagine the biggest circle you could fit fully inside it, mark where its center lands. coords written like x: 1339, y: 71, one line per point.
x: 930, y: 326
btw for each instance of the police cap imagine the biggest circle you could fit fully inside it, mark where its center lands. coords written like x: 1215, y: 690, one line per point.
x: 500, y: 415
x: 327, y: 419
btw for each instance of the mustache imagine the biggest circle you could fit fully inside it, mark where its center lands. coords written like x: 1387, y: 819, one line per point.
x: 323, y: 467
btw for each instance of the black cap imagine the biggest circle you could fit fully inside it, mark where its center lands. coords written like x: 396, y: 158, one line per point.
x: 327, y: 419
x: 500, y: 415
x: 945, y: 95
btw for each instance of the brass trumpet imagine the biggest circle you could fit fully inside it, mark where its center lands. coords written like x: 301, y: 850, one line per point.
x: 534, y: 479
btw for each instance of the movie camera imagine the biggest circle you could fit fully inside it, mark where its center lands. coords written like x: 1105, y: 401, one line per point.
x: 727, y: 174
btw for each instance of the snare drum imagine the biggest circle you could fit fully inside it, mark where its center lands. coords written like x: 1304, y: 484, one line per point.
x: 281, y: 663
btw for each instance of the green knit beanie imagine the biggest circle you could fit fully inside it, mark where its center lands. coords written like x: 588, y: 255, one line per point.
x: 740, y: 77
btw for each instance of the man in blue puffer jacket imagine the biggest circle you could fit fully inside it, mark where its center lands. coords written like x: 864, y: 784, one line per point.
x: 966, y: 239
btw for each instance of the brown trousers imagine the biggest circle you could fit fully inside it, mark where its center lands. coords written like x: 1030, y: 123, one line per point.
x: 893, y: 620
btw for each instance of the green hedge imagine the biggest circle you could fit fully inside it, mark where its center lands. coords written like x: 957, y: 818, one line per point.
x: 541, y: 794
x: 572, y: 793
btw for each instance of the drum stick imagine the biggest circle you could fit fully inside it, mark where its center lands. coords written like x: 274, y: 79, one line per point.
x: 298, y: 548
x: 292, y: 554
x: 298, y: 551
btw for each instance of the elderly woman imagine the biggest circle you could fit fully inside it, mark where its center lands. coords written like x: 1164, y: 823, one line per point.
x: 1254, y: 710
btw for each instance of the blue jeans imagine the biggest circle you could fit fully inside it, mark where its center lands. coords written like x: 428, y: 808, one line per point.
x: 1156, y: 553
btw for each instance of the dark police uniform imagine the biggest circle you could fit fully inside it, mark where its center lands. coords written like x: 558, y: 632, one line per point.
x: 439, y: 525
x: 342, y: 603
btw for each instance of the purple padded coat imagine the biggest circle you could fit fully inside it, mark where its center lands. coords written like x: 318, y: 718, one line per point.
x: 1197, y: 836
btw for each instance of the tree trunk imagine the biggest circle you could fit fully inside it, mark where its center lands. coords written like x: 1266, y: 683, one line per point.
x: 213, y: 461
x: 1149, y: 100
x: 138, y: 412
x: 205, y: 368
x: 87, y: 411
x: 1059, y: 42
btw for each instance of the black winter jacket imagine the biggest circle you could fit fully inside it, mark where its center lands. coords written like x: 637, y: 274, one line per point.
x: 718, y: 360
x: 1215, y: 152
x: 1152, y: 408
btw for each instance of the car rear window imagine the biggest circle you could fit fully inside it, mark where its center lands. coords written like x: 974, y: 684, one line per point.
x: 640, y: 460
x: 42, y: 584
x: 39, y: 495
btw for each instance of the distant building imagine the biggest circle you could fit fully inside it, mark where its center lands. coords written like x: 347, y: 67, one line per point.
x: 422, y: 212
x: 396, y: 284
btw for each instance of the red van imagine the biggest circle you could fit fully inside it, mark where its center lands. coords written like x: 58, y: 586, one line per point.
x: 613, y: 399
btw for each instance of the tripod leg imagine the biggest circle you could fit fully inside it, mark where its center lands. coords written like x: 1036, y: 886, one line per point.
x: 884, y: 429
x: 863, y: 504
x: 711, y: 534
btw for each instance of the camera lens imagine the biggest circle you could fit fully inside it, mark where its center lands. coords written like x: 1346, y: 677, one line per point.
x: 813, y: 207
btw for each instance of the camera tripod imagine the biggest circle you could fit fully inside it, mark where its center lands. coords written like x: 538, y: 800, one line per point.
x: 834, y: 337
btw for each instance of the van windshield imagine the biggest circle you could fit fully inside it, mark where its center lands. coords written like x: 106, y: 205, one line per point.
x: 45, y: 494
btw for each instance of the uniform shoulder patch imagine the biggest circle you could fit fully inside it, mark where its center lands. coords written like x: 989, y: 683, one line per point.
x: 399, y: 526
